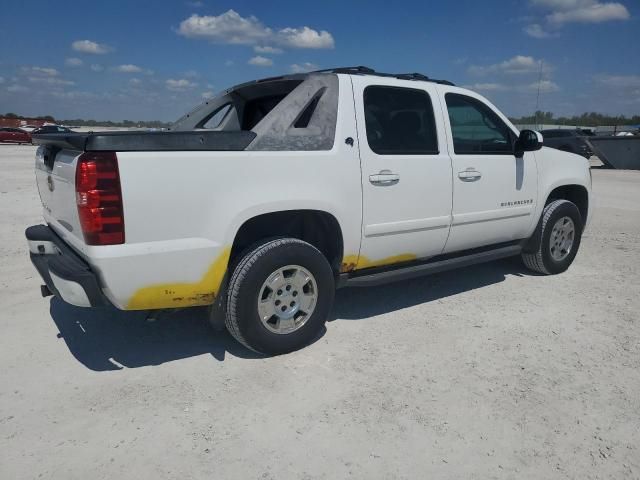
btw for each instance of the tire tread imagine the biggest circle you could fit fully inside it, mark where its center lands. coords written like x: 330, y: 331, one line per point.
x: 240, y: 272
x: 534, y: 261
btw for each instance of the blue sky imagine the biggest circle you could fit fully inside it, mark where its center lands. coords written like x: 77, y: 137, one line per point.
x: 156, y: 59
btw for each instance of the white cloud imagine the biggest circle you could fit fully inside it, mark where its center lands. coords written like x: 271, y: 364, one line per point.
x: 135, y: 81
x: 536, y: 30
x: 557, y: 13
x: 50, y: 80
x: 546, y: 86
x: 17, y: 88
x: 520, y: 64
x: 562, y: 4
x: 73, y: 62
x: 618, y: 81
x: 207, y: 94
x: 260, y: 61
x: 231, y: 27
x: 582, y: 11
x: 180, y: 85
x: 97, y: 67
x: 596, y: 13
x: 267, y: 49
x: 196, y: 4
x: 128, y: 68
x: 41, y: 71
x: 303, y: 67
x: 228, y: 27
x: 304, y: 37
x: 87, y: 46
x: 619, y: 89
x: 487, y: 87
x: 1, y: 79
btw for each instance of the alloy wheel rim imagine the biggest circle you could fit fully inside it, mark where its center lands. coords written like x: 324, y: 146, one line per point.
x: 562, y: 238
x: 287, y: 299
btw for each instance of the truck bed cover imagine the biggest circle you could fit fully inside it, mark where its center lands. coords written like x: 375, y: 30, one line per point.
x: 140, y: 141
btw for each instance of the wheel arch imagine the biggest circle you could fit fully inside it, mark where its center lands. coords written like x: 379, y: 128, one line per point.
x: 577, y: 194
x: 317, y: 227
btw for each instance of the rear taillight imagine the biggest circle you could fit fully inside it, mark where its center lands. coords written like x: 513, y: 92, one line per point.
x: 99, y: 198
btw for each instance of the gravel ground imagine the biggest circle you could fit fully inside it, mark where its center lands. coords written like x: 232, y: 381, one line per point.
x: 485, y: 372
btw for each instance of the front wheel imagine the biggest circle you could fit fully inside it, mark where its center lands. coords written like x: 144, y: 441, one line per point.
x: 279, y: 296
x: 560, y: 232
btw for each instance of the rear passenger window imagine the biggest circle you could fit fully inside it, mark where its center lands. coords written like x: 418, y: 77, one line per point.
x: 399, y: 121
x: 476, y: 129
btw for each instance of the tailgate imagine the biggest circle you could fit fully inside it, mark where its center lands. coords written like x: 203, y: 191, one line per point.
x: 55, y: 177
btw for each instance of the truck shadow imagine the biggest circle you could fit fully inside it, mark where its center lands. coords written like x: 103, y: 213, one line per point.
x: 360, y: 303
x: 109, y: 339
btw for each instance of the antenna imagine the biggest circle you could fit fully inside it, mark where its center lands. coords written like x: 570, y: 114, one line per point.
x: 538, y: 96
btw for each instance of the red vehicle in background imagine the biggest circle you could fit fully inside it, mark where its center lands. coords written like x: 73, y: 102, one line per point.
x: 14, y: 135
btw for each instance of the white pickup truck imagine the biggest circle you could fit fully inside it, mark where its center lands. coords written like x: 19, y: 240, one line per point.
x: 263, y: 200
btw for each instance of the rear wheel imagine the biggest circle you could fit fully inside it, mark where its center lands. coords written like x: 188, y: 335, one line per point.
x: 279, y: 296
x: 559, y: 233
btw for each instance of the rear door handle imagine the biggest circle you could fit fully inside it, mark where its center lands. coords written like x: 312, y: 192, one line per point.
x: 469, y: 175
x: 384, y: 178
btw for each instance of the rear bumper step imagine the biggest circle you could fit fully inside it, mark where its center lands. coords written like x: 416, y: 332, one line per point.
x: 65, y: 274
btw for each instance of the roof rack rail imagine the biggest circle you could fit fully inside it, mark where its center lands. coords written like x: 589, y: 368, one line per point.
x: 356, y: 69
x: 362, y: 70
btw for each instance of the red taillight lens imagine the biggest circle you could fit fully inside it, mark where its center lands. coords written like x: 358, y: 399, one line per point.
x: 99, y: 198
x: 86, y: 174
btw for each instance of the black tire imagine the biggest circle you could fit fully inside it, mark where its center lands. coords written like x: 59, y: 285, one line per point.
x: 242, y: 319
x: 541, y: 260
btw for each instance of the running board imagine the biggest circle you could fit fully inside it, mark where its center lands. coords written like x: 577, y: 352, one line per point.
x: 411, y: 271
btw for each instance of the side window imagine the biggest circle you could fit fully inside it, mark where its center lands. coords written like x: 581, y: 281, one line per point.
x: 399, y: 121
x: 218, y: 116
x: 476, y: 129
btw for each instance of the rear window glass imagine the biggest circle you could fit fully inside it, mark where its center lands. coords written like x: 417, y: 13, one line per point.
x: 219, y: 115
x: 256, y: 110
x: 399, y: 121
x: 305, y: 117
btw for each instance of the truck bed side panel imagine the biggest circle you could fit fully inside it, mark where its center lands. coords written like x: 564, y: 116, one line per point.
x: 183, y: 209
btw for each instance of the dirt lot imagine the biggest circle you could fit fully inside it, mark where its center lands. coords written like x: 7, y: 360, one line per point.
x: 486, y: 372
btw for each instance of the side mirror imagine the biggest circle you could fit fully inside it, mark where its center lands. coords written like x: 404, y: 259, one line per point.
x: 528, y: 141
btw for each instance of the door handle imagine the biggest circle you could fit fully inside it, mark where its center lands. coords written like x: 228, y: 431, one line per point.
x: 384, y: 178
x: 469, y: 175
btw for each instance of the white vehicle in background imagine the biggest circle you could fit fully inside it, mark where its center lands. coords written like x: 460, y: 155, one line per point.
x: 263, y: 200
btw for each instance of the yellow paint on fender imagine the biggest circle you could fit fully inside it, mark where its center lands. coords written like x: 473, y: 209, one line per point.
x: 175, y: 295
x: 355, y: 262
